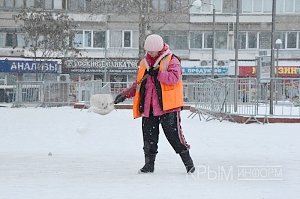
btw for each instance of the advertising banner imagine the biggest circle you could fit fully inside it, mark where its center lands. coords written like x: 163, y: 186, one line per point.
x: 280, y: 71
x: 97, y: 65
x: 195, y: 68
x: 17, y: 65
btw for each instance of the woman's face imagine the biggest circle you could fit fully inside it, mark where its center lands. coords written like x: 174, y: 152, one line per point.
x: 153, y: 53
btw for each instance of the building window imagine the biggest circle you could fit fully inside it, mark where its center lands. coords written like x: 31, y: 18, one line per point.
x: 243, y: 40
x: 29, y: 3
x: 127, y: 39
x: 19, y: 4
x: 44, y: 4
x: 11, y: 40
x: 2, y: 39
x: 289, y: 6
x: 279, y: 6
x: 160, y: 5
x: 265, y: 6
x: 280, y: 35
x: 257, y: 6
x: 207, y: 6
x: 48, y: 4
x: 78, y: 39
x: 87, y: 39
x: 196, y: 39
x: 247, y: 6
x: 291, y: 40
x: 135, y: 39
x: 9, y: 4
x: 297, y: 6
x: 99, y: 39
x: 252, y: 39
x: 177, y: 40
x: 208, y: 39
x: 115, y: 39
x: 21, y: 41
x: 79, y: 5
x: 221, y: 40
x: 265, y: 40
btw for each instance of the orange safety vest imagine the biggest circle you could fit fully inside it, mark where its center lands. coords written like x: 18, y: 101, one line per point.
x: 172, y: 95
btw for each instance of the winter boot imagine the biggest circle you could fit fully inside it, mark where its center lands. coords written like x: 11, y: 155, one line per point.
x: 149, y: 164
x: 187, y: 161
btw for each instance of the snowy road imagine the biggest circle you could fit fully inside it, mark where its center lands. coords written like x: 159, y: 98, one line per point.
x: 98, y: 157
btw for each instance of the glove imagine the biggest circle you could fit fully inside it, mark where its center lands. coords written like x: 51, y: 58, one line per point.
x: 119, y: 98
x: 152, y: 72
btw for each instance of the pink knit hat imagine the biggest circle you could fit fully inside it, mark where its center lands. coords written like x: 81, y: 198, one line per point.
x: 154, y: 43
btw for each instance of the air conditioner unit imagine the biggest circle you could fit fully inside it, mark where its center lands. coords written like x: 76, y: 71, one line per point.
x: 63, y: 78
x: 205, y: 63
x: 223, y: 63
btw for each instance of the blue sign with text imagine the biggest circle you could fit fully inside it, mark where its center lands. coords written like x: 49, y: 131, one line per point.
x: 28, y: 66
x: 204, y: 70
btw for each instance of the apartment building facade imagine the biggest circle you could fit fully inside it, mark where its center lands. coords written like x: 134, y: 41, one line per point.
x: 109, y: 38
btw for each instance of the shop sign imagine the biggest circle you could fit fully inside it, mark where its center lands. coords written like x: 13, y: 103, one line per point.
x: 204, y: 70
x: 282, y: 71
x: 28, y: 66
x: 95, y: 65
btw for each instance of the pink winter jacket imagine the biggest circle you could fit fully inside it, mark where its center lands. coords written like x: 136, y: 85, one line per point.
x: 170, y: 77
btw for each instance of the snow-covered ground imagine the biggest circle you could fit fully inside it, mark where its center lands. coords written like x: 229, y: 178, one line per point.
x: 96, y: 156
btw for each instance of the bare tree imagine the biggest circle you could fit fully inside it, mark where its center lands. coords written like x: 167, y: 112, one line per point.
x: 48, y: 34
x: 146, y: 15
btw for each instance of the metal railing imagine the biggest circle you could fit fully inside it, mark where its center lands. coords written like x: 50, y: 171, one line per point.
x: 219, y: 96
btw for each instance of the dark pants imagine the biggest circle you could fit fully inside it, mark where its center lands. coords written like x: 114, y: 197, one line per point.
x: 171, y: 126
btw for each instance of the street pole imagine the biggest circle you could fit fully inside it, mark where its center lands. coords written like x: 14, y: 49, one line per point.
x: 236, y: 55
x: 213, y: 44
x: 272, y: 71
x: 278, y: 44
